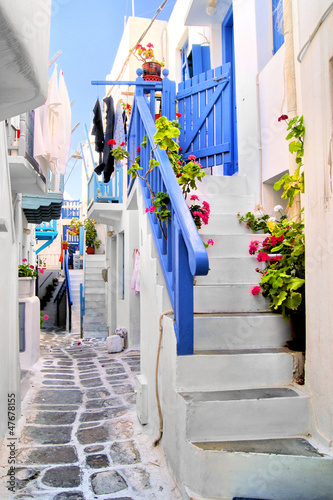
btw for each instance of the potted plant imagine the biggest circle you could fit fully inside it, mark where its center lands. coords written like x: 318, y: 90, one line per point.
x: 151, y: 67
x: 92, y: 241
x: 283, y: 277
x: 27, y: 274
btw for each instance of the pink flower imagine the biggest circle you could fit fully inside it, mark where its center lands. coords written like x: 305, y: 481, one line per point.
x: 138, y: 150
x: 32, y: 267
x: 79, y: 343
x: 194, y: 197
x: 262, y: 257
x: 41, y: 271
x: 150, y: 45
x: 192, y: 157
x: 210, y: 242
x: 256, y: 290
x: 46, y: 317
x: 276, y: 258
x: 122, y: 144
x: 111, y: 142
x: 24, y: 260
x: 280, y: 238
x: 253, y: 247
x: 150, y: 209
x: 283, y: 117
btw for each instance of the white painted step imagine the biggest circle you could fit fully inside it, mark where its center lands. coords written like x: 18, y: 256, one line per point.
x: 234, y: 369
x: 229, y: 204
x: 240, y: 331
x: 245, y: 414
x: 220, y: 184
x: 224, y: 224
x: 234, y: 245
x: 231, y: 270
x: 272, y: 469
x: 228, y: 298
x: 90, y: 291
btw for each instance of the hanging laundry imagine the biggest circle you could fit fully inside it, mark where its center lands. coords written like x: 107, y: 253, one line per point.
x: 65, y: 131
x: 135, y: 280
x: 107, y: 161
x: 97, y: 129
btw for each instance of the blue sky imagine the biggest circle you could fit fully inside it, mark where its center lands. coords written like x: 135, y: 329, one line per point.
x: 88, y: 34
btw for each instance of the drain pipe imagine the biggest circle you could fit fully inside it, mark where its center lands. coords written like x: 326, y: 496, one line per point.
x: 160, y: 416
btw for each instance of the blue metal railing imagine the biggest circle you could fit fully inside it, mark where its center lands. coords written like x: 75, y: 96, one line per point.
x: 68, y: 288
x: 182, y: 254
x: 46, y: 231
x: 112, y: 191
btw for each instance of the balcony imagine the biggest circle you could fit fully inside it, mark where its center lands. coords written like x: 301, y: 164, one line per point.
x: 105, y: 201
x: 25, y: 174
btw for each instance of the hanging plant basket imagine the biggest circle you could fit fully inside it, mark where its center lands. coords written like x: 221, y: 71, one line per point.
x: 151, y: 71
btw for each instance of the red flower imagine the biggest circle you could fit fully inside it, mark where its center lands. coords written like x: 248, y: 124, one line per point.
x: 180, y: 148
x: 253, y: 247
x: 178, y: 115
x: 122, y: 144
x: 112, y: 142
x: 194, y: 197
x: 256, y: 290
x: 24, y: 260
x: 150, y: 45
x: 262, y: 257
x: 192, y: 157
x: 283, y: 117
x: 138, y: 150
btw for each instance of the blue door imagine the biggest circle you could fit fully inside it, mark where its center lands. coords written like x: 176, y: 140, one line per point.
x: 228, y: 56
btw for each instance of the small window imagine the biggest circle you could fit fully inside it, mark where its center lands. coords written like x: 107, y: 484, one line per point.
x: 278, y: 24
x: 198, y: 60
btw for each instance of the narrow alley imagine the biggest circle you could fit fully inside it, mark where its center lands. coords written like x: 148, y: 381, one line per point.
x: 79, y: 435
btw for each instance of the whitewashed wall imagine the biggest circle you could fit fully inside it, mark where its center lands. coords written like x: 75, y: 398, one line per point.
x: 317, y: 107
x: 9, y: 352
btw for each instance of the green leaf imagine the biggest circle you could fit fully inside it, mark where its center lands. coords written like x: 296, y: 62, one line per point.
x: 294, y: 301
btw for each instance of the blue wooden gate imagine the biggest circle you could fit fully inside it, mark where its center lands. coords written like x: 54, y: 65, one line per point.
x: 206, y: 105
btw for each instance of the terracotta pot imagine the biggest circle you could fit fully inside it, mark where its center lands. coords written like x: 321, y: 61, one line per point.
x: 157, y: 116
x: 26, y: 287
x: 90, y: 250
x: 298, y: 331
x: 151, y: 71
x: 64, y: 245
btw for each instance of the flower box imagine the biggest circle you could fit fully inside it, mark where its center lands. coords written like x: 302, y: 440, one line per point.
x: 26, y: 287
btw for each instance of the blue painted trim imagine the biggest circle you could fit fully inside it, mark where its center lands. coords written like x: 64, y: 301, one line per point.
x: 46, y: 244
x: 81, y: 241
x: 157, y: 86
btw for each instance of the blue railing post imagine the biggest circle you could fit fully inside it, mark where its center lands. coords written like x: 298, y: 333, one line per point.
x: 81, y: 240
x: 168, y: 97
x: 183, y: 309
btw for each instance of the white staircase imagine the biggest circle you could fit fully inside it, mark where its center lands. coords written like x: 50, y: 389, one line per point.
x: 76, y: 277
x: 242, y: 421
x: 94, y: 320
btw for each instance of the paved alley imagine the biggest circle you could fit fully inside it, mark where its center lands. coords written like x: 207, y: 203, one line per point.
x: 79, y: 437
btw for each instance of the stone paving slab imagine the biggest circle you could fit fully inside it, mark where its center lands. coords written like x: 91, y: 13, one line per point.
x: 79, y: 438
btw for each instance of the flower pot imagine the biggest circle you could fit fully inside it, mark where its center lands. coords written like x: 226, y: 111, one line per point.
x: 64, y: 245
x: 151, y: 71
x: 90, y: 250
x: 26, y: 287
x: 298, y: 331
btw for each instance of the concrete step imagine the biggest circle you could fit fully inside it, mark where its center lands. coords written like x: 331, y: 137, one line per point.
x: 234, y: 369
x: 228, y: 298
x: 97, y: 306
x: 245, y: 414
x: 240, y: 331
x: 232, y: 245
x: 275, y: 469
x: 93, y: 271
x: 91, y: 283
x: 231, y: 270
x: 94, y: 290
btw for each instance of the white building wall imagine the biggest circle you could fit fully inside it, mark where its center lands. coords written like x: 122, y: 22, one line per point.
x: 9, y: 352
x: 317, y: 98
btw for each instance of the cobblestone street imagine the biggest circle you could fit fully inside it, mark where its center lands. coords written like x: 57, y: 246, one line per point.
x: 79, y: 437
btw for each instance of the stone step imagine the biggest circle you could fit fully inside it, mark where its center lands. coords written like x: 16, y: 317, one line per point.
x: 245, y: 414
x: 228, y: 298
x: 231, y: 270
x: 94, y: 290
x: 234, y: 369
x: 280, y: 469
x: 91, y: 283
x: 97, y: 305
x: 240, y: 331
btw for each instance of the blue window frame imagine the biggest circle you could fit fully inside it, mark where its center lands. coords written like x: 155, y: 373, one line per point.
x: 278, y: 24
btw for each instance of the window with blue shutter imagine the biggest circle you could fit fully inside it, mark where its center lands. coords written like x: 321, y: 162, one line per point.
x: 278, y: 24
x: 198, y: 60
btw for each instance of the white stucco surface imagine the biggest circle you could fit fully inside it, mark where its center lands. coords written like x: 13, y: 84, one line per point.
x: 32, y: 333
